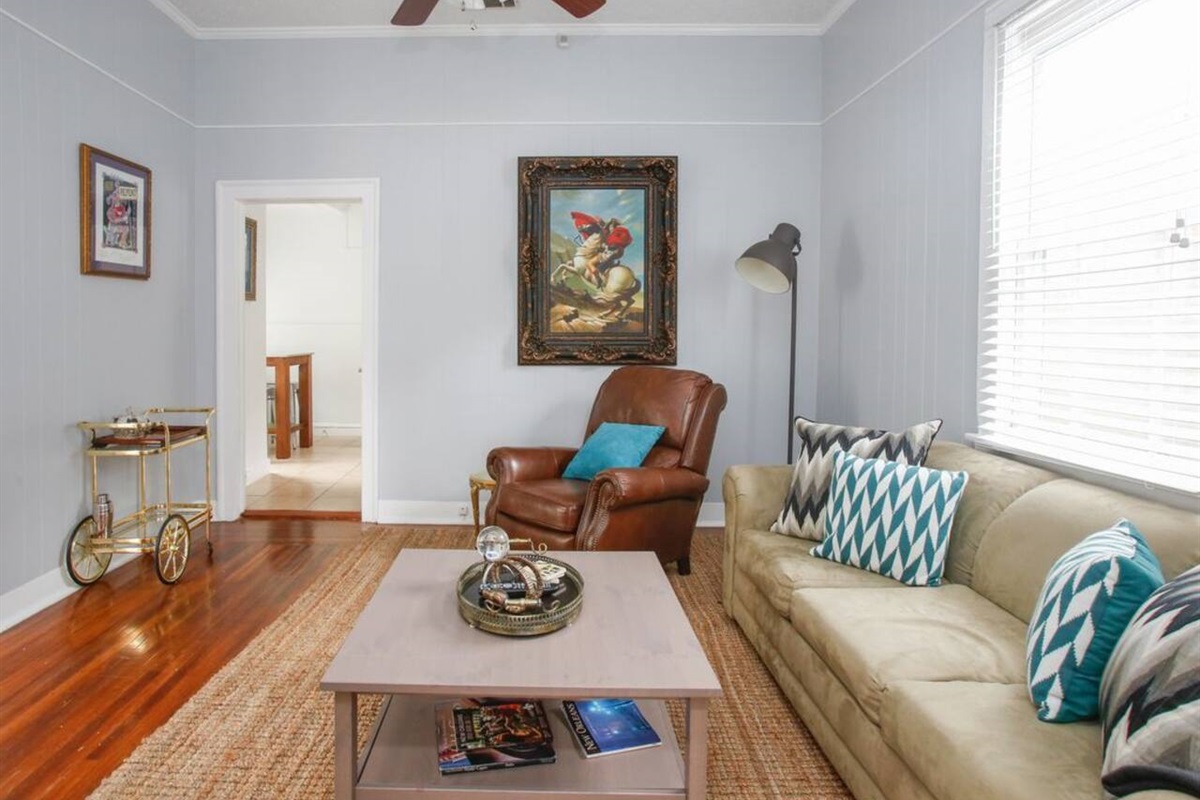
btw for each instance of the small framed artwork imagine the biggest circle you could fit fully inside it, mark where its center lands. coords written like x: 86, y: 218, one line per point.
x: 596, y: 260
x: 251, y: 259
x: 114, y: 215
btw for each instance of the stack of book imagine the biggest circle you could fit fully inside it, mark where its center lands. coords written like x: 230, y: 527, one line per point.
x: 475, y: 735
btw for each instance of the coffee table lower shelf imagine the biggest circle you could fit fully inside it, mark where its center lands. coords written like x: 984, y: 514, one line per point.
x: 400, y: 761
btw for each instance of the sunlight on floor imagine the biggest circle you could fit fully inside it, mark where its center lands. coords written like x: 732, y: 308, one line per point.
x: 324, y: 477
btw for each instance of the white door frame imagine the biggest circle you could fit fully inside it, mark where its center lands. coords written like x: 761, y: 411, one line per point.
x: 230, y: 421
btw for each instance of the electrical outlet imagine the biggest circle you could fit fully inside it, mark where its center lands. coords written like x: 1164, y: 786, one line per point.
x: 462, y: 512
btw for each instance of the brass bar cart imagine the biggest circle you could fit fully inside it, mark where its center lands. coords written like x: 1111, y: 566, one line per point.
x: 162, y: 529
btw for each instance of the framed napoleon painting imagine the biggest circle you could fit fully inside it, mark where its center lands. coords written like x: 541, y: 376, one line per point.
x: 114, y: 215
x: 596, y: 260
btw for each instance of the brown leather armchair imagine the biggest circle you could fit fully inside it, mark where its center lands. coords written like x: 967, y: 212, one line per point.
x: 651, y: 507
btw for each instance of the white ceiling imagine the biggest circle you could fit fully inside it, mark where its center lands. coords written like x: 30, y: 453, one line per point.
x: 214, y: 17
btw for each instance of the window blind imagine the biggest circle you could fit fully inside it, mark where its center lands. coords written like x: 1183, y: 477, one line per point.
x: 1090, y: 289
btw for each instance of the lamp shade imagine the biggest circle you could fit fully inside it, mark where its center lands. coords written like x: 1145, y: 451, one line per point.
x: 770, y: 265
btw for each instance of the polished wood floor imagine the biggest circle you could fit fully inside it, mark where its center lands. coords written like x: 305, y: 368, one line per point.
x: 83, y: 682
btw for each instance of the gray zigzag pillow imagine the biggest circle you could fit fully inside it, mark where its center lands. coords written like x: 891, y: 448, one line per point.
x: 803, y: 514
x: 1150, y: 695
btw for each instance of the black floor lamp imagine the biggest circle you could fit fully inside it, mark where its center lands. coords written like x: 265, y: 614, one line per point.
x: 770, y: 266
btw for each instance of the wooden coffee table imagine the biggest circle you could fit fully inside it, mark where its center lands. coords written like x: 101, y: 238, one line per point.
x: 632, y: 639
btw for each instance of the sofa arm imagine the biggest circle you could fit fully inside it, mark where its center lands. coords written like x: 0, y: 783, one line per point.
x: 754, y: 495
x: 512, y: 464
x: 617, y: 488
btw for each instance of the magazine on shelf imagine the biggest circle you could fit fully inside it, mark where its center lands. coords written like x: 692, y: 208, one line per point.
x: 479, y: 734
x: 605, y: 727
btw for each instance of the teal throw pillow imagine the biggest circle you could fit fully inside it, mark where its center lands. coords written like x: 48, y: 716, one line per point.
x: 613, y: 444
x: 890, y: 518
x: 1090, y: 595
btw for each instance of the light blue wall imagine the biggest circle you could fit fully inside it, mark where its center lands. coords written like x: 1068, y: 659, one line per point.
x: 900, y: 194
x: 75, y: 347
x: 738, y: 113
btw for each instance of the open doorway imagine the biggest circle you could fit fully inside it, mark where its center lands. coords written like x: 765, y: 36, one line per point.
x: 302, y: 334
x: 242, y: 444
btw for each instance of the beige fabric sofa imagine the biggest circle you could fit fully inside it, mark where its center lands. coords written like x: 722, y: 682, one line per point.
x: 920, y: 692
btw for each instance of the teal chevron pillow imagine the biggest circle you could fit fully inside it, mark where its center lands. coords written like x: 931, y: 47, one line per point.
x: 613, y: 444
x: 890, y: 518
x: 1090, y: 595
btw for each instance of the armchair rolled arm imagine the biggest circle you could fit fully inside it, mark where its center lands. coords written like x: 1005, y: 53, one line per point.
x: 511, y: 464
x: 617, y: 488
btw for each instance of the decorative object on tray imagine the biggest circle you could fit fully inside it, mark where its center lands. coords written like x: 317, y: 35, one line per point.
x: 130, y: 417
x: 476, y: 735
x: 517, y: 595
x: 608, y: 726
x: 596, y: 260
x: 114, y: 215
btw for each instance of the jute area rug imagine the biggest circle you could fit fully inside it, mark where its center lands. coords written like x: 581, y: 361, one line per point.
x: 260, y: 728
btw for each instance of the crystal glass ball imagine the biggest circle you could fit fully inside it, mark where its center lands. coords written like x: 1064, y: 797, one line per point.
x: 492, y: 543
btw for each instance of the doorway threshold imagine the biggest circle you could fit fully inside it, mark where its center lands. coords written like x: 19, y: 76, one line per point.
x: 306, y: 513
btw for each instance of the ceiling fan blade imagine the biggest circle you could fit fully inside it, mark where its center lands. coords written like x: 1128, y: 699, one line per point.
x: 580, y: 8
x: 413, y: 12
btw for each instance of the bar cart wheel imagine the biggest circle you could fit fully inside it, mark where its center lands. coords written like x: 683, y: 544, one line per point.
x: 171, y: 549
x: 85, y: 562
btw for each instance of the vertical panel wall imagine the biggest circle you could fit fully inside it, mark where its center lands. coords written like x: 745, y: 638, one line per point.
x: 900, y: 214
x: 442, y: 122
x: 78, y: 347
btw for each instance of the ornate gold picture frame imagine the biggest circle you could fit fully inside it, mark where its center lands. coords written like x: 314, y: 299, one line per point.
x: 597, y: 253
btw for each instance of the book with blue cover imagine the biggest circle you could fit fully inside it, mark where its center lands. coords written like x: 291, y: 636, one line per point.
x: 608, y: 726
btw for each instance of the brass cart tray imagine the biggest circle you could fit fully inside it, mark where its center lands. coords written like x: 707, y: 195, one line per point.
x: 536, y: 623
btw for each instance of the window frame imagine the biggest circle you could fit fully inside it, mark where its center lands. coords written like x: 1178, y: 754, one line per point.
x: 994, y: 15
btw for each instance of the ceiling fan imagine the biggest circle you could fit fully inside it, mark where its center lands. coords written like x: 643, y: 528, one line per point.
x: 415, y: 12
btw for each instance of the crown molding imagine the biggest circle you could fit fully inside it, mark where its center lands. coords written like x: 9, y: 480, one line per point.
x: 178, y: 17
x: 835, y: 13
x: 464, y: 30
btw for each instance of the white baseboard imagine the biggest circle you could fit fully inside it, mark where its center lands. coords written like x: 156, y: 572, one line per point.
x: 336, y: 429
x: 421, y: 512
x: 45, y: 590
x: 712, y: 515
x: 424, y: 512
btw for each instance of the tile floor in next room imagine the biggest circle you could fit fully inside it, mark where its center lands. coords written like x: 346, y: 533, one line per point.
x: 324, y: 477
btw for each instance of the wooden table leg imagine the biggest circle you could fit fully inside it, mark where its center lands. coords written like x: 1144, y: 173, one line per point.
x: 345, y: 744
x: 306, y: 416
x: 283, y: 410
x: 697, y: 748
x: 475, y: 505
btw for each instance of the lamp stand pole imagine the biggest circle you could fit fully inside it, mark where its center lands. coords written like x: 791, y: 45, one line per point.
x: 791, y: 435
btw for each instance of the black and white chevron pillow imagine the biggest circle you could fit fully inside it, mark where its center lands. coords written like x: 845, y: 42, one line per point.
x: 1150, y: 695
x: 803, y: 513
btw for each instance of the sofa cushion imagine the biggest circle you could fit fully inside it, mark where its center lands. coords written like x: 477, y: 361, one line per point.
x: 555, y: 503
x: 803, y: 513
x: 984, y: 741
x: 779, y: 565
x: 890, y: 518
x: 1090, y: 595
x: 1029, y: 536
x: 995, y: 483
x: 870, y: 638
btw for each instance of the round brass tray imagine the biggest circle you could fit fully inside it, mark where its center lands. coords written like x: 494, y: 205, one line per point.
x: 570, y: 603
